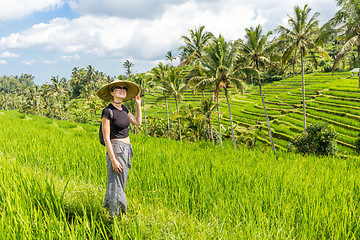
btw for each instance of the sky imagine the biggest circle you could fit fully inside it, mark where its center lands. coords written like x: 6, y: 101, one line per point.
x: 48, y: 38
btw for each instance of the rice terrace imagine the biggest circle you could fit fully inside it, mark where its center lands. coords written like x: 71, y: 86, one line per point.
x: 253, y: 138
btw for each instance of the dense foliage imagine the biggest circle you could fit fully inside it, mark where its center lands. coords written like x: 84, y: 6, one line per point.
x: 13, y: 90
x: 318, y: 139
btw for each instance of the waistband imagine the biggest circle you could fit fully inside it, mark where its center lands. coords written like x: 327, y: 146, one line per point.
x: 118, y: 142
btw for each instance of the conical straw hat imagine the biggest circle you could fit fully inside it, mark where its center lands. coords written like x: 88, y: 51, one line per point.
x: 105, y: 91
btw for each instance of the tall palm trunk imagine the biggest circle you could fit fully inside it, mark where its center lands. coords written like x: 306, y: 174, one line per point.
x: 167, y: 115
x: 37, y: 106
x: 358, y: 49
x: 218, y: 110
x: 177, y: 109
x: 231, y: 121
x: 60, y: 111
x: 146, y: 129
x: 211, y: 132
x: 267, y: 117
x: 303, y: 87
x: 96, y: 120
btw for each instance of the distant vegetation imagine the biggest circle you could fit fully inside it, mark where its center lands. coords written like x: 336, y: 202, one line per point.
x: 291, y: 62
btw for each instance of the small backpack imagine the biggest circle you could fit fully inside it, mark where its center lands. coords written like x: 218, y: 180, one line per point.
x: 101, y: 136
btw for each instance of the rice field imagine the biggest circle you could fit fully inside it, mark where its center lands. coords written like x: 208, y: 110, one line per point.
x: 330, y: 99
x: 53, y: 180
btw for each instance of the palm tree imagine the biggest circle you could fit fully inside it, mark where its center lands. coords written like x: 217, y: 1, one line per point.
x: 219, y: 70
x: 346, y: 24
x: 175, y: 85
x: 194, y: 45
x: 170, y: 57
x: 57, y: 89
x: 4, y: 99
x: 46, y: 94
x: 91, y: 76
x: 207, y: 107
x: 256, y: 48
x: 128, y: 65
x: 157, y: 74
x: 301, y: 38
x: 146, y: 87
x: 32, y: 104
x: 190, y: 114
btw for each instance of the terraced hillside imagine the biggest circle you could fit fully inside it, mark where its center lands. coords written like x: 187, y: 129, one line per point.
x: 332, y: 99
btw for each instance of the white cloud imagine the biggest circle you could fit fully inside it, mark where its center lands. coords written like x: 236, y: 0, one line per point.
x: 3, y: 61
x: 51, y: 61
x: 16, y: 9
x: 137, y: 38
x: 9, y: 55
x: 145, y: 9
x: 29, y: 62
x: 70, y: 58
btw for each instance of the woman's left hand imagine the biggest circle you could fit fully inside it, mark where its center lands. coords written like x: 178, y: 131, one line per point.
x: 138, y: 100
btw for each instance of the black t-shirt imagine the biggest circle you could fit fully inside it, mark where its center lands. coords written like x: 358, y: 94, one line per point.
x: 119, y: 123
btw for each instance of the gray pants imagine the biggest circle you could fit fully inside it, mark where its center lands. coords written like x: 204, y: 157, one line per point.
x: 115, y: 197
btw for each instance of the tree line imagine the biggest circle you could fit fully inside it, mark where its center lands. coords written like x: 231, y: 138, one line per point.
x: 208, y: 62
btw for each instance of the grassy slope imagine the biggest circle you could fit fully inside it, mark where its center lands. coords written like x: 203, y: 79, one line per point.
x: 53, y: 178
x: 332, y: 99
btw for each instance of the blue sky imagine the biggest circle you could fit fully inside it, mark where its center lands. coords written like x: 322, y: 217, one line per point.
x: 47, y: 38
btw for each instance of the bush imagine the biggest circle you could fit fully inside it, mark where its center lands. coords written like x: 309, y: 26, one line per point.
x: 318, y: 139
x: 327, y: 67
x: 357, y: 144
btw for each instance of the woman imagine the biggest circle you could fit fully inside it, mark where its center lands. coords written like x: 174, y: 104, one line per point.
x: 115, y: 120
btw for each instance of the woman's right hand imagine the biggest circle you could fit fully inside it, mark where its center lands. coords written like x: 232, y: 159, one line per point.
x: 116, y: 166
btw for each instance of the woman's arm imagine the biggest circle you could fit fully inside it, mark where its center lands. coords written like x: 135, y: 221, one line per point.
x: 105, y: 123
x: 136, y: 120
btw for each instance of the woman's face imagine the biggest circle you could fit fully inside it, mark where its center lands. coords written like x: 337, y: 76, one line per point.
x: 119, y: 91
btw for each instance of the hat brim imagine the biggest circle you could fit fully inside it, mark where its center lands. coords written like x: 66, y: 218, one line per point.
x: 105, y: 91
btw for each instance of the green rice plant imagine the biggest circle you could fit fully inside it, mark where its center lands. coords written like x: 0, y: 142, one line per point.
x: 337, y: 107
x: 251, y: 117
x: 346, y: 134
x: 354, y: 95
x: 259, y: 110
x: 341, y: 102
x: 53, y: 181
x: 345, y: 138
x: 274, y: 106
x: 345, y: 89
x: 285, y: 129
x: 340, y: 119
x: 343, y: 112
x: 289, y: 119
x: 345, y: 131
x: 291, y: 96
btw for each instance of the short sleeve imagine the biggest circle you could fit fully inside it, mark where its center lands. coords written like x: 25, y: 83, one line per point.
x: 106, y: 113
x: 124, y: 108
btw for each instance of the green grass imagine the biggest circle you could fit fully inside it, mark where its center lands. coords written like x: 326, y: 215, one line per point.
x: 53, y: 179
